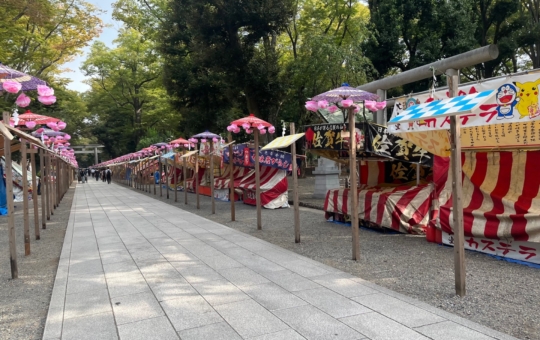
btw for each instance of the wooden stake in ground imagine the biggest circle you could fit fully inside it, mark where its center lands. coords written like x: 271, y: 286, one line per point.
x: 457, y: 204
x: 257, y: 180
x: 175, y: 179
x: 160, y: 175
x: 184, y: 164
x: 10, y: 205
x: 33, y: 152
x: 167, y: 176
x: 196, y: 181
x: 212, y: 176
x: 47, y: 179
x: 26, y: 218
x: 295, y: 189
x: 231, y: 178
x: 43, y: 189
x: 353, y: 192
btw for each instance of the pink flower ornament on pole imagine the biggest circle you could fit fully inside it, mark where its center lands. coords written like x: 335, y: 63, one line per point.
x: 61, y: 125
x: 322, y: 104
x: 22, y: 100
x: 30, y: 124
x: 271, y: 129
x: 346, y: 103
x: 11, y: 86
x: 312, y: 105
x: 45, y: 91
x: 332, y: 109
x: 47, y: 100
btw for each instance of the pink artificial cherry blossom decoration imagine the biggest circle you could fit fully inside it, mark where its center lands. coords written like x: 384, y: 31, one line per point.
x: 176, y: 145
x: 249, y: 131
x: 271, y: 129
x: 322, y: 104
x: 45, y: 137
x: 262, y: 131
x: 67, y: 144
x: 30, y: 124
x: 186, y: 145
x: 312, y: 105
x: 51, y: 124
x: 52, y: 139
x: 22, y: 100
x: 203, y: 140
x: 40, y: 130
x: 61, y: 125
x: 356, y: 108
x: 332, y: 109
x: 67, y: 137
x: 193, y: 140
x: 260, y: 127
x: 246, y: 126
x: 215, y: 140
x: 44, y: 90
x: 11, y: 86
x: 347, y: 103
x: 47, y: 100
x: 59, y: 138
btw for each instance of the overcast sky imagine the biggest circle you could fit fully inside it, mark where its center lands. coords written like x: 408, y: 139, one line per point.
x: 107, y: 36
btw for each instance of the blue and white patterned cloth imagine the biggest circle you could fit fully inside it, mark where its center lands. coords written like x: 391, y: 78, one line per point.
x: 445, y: 107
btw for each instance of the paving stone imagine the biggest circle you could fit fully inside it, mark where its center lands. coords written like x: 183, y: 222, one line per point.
x: 314, y: 324
x: 96, y: 326
x: 219, y: 292
x: 121, y: 268
x: 290, y: 281
x: 85, y: 283
x: 242, y: 277
x: 250, y: 319
x: 135, y: 307
x: 87, y: 303
x: 220, y: 262
x: 288, y: 334
x: 85, y: 266
x: 150, y: 329
x: 272, y: 296
x: 344, y: 286
x: 378, y: 327
x: 332, y: 303
x: 216, y: 331
x: 190, y: 311
x: 449, y: 330
x: 398, y: 310
x: 198, y: 274
x: 127, y: 284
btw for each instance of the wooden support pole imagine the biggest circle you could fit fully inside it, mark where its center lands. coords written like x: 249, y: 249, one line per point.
x: 167, y: 176
x: 160, y: 175
x: 457, y: 204
x: 184, y: 170
x: 43, y: 189
x: 257, y: 180
x: 47, y: 182
x: 196, y: 181
x: 212, y: 198
x: 26, y: 216
x: 154, y: 179
x: 353, y: 192
x: 231, y: 178
x: 10, y: 205
x: 175, y: 179
x: 295, y: 189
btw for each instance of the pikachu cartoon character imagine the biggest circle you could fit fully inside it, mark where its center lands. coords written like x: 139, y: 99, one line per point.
x: 527, y: 104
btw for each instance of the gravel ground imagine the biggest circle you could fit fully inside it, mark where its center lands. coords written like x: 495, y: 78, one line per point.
x: 24, y: 302
x: 500, y: 295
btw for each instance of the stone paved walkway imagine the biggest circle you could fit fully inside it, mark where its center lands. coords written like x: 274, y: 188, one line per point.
x: 136, y: 268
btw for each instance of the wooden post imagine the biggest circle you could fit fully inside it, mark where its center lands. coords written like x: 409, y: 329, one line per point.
x: 47, y: 183
x: 167, y: 176
x: 257, y: 179
x: 34, y: 193
x: 10, y: 205
x: 25, y: 198
x: 353, y: 192
x: 160, y: 175
x: 295, y: 189
x: 175, y: 178
x: 231, y: 178
x: 212, y: 176
x: 196, y: 180
x: 417, y: 174
x: 184, y: 170
x: 43, y: 189
x: 154, y: 179
x: 457, y: 204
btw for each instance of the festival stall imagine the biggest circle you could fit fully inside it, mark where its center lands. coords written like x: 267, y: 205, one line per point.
x: 273, y: 165
x: 394, y: 177
x: 500, y: 142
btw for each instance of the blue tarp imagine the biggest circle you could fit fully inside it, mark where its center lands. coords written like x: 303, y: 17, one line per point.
x: 3, y: 197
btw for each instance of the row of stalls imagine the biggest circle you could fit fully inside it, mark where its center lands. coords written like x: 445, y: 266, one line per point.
x: 405, y: 177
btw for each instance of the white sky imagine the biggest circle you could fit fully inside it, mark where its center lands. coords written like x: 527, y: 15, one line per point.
x: 107, y: 36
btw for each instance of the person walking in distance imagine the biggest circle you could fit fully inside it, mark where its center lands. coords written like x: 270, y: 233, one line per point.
x: 108, y: 173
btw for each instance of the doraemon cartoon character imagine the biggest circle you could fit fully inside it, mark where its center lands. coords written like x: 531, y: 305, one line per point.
x: 506, y: 100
